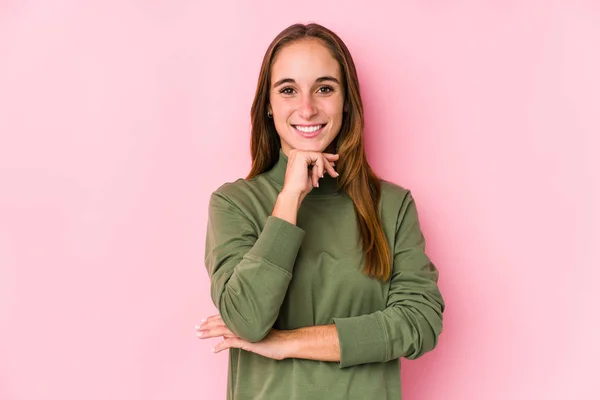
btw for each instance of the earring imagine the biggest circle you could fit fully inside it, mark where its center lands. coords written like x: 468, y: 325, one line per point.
x: 269, y: 114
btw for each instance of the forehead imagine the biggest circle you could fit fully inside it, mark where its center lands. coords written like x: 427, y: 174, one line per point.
x: 306, y: 59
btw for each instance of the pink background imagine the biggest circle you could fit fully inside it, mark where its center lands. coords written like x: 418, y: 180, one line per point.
x: 118, y: 118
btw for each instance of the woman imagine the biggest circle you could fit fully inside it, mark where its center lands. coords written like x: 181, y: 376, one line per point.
x: 317, y: 266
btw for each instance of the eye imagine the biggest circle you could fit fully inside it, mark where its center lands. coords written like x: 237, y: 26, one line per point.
x: 325, y: 89
x: 287, y: 90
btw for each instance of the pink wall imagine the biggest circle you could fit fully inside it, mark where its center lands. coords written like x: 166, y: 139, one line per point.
x: 118, y: 118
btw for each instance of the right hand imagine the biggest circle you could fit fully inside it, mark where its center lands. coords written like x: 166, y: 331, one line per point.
x: 299, y: 178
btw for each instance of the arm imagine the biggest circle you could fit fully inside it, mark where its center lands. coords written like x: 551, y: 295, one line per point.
x: 319, y: 343
x: 411, y: 323
x: 249, y: 272
x: 408, y: 327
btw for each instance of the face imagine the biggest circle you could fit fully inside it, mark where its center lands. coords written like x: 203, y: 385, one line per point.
x: 306, y: 96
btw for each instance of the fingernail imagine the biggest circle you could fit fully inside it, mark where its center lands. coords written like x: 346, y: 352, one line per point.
x: 197, y: 327
x: 203, y: 320
x: 212, y: 350
x: 200, y: 334
x: 317, y: 184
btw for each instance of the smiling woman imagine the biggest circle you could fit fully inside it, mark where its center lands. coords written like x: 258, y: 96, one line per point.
x: 307, y: 98
x: 317, y: 266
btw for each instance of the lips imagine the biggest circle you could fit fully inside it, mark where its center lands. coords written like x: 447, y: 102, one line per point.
x: 309, y: 131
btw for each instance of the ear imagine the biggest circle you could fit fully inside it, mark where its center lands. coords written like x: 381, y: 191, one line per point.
x: 346, y: 104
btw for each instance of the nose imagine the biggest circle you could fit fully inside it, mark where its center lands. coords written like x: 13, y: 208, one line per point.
x: 307, y: 107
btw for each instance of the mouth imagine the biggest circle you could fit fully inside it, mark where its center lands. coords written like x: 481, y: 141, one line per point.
x: 309, y: 131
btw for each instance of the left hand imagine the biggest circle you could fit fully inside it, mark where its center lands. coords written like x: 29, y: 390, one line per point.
x: 275, y: 345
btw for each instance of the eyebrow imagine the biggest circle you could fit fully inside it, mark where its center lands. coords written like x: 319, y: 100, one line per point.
x: 318, y: 80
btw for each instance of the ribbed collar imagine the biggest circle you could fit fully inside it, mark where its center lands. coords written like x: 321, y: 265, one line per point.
x: 327, y: 184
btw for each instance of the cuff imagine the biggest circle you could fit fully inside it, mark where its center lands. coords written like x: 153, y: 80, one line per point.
x: 362, y: 340
x: 278, y: 243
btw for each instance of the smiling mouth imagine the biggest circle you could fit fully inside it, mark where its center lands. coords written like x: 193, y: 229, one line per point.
x: 308, y: 129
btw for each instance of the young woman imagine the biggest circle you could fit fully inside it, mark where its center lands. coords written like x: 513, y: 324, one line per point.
x: 317, y: 266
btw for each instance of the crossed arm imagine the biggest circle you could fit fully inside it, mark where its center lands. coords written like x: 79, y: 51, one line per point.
x: 250, y: 276
x: 319, y: 343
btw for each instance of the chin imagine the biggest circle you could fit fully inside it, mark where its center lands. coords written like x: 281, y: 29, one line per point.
x: 316, y: 147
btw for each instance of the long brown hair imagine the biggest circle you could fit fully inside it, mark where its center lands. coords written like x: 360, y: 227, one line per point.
x: 356, y: 178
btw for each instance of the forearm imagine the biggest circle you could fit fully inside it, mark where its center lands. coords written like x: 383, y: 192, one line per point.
x: 319, y: 343
x: 286, y: 206
x: 249, y: 302
x: 249, y: 272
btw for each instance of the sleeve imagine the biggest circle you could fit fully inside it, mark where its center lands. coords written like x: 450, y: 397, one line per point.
x: 411, y: 323
x: 249, y: 272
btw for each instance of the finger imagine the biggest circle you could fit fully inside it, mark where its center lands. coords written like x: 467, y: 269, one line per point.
x: 209, y: 325
x: 228, y: 344
x: 315, y: 176
x: 311, y: 158
x: 211, y: 319
x: 215, y: 332
x: 321, y: 166
x: 331, y: 158
x: 318, y: 168
x: 330, y: 170
x: 214, y: 317
x: 210, y: 322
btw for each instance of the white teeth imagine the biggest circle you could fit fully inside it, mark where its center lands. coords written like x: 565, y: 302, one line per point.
x: 309, y: 129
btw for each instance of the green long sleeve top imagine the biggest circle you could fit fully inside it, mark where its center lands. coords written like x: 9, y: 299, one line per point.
x: 267, y: 273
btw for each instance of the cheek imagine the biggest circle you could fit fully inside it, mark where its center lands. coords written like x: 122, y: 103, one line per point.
x: 336, y: 113
x: 334, y: 107
x: 282, y: 110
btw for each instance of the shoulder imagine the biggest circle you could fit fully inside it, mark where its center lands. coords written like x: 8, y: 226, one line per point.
x: 397, y: 204
x: 394, y: 193
x: 244, y: 194
x: 233, y: 190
